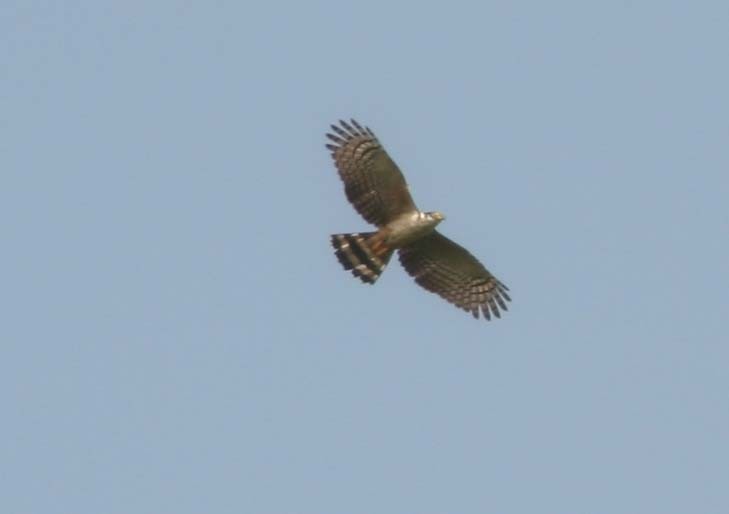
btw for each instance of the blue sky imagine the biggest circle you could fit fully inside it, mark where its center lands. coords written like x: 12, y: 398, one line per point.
x: 178, y: 336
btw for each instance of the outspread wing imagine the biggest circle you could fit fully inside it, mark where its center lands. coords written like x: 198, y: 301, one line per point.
x: 449, y: 270
x: 372, y: 181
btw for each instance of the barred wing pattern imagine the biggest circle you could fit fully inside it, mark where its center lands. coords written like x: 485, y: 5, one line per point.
x: 372, y: 181
x: 449, y: 270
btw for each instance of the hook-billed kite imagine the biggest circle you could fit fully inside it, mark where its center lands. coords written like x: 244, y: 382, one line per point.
x: 377, y: 189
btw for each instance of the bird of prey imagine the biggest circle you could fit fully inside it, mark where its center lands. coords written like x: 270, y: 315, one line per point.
x: 376, y: 188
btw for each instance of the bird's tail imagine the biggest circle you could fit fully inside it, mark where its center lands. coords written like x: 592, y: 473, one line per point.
x: 366, y: 255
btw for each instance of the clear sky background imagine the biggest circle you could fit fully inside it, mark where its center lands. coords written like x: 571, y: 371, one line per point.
x: 177, y: 336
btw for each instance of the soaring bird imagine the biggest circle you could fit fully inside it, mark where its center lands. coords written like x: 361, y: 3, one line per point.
x: 376, y: 188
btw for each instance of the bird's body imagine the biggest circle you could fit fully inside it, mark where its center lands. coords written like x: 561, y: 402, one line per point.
x: 377, y: 189
x: 408, y: 228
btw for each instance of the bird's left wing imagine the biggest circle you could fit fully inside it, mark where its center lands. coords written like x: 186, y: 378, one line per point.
x: 449, y: 270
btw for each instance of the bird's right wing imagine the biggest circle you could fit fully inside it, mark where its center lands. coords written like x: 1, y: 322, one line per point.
x: 372, y: 181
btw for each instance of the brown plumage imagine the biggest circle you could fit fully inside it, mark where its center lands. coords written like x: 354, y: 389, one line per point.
x: 377, y: 189
x: 372, y: 181
x: 449, y: 270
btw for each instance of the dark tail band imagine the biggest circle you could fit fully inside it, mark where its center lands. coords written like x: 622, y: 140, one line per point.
x: 364, y: 254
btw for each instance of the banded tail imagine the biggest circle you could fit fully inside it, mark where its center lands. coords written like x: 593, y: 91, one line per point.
x: 366, y: 255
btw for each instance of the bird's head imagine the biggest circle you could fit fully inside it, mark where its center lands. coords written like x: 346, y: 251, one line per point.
x: 435, y: 216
